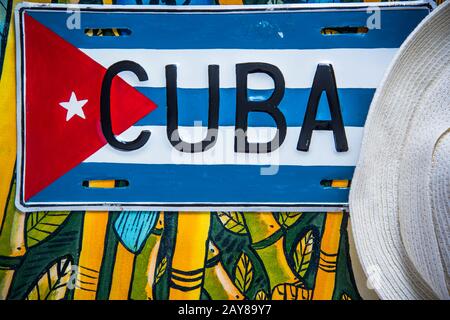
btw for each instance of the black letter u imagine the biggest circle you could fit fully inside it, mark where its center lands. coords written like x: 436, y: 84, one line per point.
x: 172, y: 111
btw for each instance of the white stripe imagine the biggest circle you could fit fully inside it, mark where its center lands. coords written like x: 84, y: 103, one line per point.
x: 158, y: 149
x: 354, y: 68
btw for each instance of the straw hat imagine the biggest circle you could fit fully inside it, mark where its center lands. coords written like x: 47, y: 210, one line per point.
x: 400, y: 196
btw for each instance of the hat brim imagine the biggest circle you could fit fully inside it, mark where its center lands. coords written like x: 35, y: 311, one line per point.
x: 378, y: 185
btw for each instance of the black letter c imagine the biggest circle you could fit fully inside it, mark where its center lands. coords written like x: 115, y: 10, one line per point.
x: 105, y: 107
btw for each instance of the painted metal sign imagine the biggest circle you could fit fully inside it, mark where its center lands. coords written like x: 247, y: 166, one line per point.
x: 202, y: 108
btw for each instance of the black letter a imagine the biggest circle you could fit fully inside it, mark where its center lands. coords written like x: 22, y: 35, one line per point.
x: 323, y: 81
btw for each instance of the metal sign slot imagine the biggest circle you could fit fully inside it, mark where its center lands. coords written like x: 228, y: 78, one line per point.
x: 107, y: 32
x: 335, y: 184
x: 105, y: 184
x: 344, y: 30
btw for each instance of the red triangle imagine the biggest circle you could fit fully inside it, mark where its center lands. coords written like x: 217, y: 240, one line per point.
x: 55, y: 69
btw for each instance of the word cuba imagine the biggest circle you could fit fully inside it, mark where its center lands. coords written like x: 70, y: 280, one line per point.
x: 324, y: 80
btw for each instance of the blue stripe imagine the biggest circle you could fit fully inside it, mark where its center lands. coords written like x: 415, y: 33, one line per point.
x: 275, y: 30
x: 193, y: 106
x: 192, y: 183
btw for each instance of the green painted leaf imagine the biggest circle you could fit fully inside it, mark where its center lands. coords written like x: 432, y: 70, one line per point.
x: 287, y: 219
x: 243, y: 273
x: 161, y: 269
x: 52, y: 285
x: 302, y: 253
x: 233, y: 221
x: 261, y: 295
x: 40, y: 225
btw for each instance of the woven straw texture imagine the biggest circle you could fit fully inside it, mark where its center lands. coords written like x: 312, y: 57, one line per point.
x: 400, y: 197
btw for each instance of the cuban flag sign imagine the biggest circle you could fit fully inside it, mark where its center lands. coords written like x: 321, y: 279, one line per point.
x: 199, y: 108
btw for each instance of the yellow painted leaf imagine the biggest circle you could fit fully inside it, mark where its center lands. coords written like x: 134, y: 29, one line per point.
x: 302, y: 253
x: 345, y: 297
x: 243, y: 274
x: 287, y: 219
x: 52, y: 285
x: 289, y: 291
x: 261, y: 295
x: 233, y: 221
x: 40, y: 225
x: 161, y: 269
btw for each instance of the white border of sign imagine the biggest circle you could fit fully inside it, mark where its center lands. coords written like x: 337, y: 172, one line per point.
x: 185, y: 206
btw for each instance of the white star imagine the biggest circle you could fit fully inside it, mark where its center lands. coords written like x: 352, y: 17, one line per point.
x: 74, y: 107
